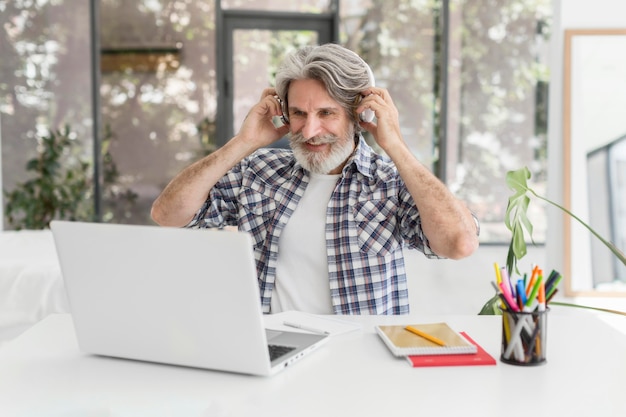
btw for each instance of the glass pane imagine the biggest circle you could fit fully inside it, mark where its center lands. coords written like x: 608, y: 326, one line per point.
x: 399, y: 47
x: 45, y: 85
x: 256, y: 56
x: 158, y: 98
x: 498, y: 83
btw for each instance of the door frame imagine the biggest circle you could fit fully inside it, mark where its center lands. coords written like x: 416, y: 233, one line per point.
x: 229, y: 20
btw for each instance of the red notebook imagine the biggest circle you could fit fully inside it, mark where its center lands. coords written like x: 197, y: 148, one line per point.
x: 481, y: 357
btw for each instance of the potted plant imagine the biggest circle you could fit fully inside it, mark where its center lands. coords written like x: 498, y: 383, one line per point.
x: 516, y: 220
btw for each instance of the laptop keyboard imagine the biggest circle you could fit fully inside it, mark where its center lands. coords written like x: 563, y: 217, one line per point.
x: 276, y: 351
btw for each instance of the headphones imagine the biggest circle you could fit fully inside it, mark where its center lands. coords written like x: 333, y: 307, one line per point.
x: 366, y: 115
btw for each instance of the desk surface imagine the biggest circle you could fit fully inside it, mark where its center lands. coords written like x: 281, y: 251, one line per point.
x: 42, y: 373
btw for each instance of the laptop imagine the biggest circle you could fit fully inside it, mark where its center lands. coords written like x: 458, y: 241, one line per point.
x: 178, y: 296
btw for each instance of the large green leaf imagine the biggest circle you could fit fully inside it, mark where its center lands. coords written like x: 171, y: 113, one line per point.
x: 516, y: 218
x: 491, y: 307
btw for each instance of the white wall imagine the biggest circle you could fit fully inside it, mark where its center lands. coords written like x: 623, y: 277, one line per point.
x: 459, y: 287
x: 583, y: 14
x: 1, y: 188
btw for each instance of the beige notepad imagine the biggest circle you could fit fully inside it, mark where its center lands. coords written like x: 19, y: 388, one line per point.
x: 402, y: 342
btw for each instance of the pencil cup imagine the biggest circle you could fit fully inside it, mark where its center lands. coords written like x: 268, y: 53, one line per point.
x: 524, y: 337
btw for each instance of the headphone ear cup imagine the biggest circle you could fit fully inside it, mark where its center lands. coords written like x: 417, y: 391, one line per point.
x: 285, y: 116
x: 367, y: 115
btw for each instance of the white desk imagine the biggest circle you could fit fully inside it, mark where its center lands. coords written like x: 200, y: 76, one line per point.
x: 42, y: 373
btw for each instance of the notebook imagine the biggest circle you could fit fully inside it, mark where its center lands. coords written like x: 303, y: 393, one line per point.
x: 402, y: 342
x: 177, y: 296
x: 481, y: 357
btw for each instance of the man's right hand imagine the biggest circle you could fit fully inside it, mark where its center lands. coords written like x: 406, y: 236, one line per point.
x: 258, y: 128
x: 187, y: 192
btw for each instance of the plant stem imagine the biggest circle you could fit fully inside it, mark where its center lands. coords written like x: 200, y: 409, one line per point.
x: 608, y: 244
x: 606, y: 310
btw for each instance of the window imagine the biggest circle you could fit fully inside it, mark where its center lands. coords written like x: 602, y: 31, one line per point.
x: 468, y: 77
x: 497, y: 83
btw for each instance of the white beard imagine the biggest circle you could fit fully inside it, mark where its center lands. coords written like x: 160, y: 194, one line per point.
x: 320, y: 163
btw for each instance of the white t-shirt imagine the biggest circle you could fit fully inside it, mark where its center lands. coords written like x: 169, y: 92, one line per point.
x: 302, y: 266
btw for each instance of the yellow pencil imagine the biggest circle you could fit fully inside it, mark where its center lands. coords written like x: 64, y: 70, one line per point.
x: 498, y: 276
x: 425, y: 335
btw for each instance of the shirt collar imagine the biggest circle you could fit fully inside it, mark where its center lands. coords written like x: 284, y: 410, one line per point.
x: 361, y: 158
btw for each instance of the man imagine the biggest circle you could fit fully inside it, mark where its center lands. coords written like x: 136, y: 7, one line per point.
x: 329, y: 218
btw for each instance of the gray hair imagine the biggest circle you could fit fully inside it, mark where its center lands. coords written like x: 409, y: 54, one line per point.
x: 342, y: 71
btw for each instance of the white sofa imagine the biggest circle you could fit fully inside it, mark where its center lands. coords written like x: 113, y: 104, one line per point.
x: 31, y: 285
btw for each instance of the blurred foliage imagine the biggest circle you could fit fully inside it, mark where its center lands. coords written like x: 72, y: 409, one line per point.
x: 206, y: 133
x: 62, y: 186
x: 504, y: 79
x: 58, y: 190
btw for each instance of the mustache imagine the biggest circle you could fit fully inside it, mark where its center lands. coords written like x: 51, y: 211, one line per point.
x: 298, y: 138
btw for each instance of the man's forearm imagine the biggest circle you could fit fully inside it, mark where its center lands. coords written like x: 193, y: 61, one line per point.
x: 185, y: 194
x: 446, y: 221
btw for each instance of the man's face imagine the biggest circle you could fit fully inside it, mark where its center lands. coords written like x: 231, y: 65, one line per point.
x: 322, y: 134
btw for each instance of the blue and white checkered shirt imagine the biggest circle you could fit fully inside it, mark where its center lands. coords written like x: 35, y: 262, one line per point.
x: 370, y: 218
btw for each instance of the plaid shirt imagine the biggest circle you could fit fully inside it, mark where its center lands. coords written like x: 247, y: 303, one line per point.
x: 370, y: 218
